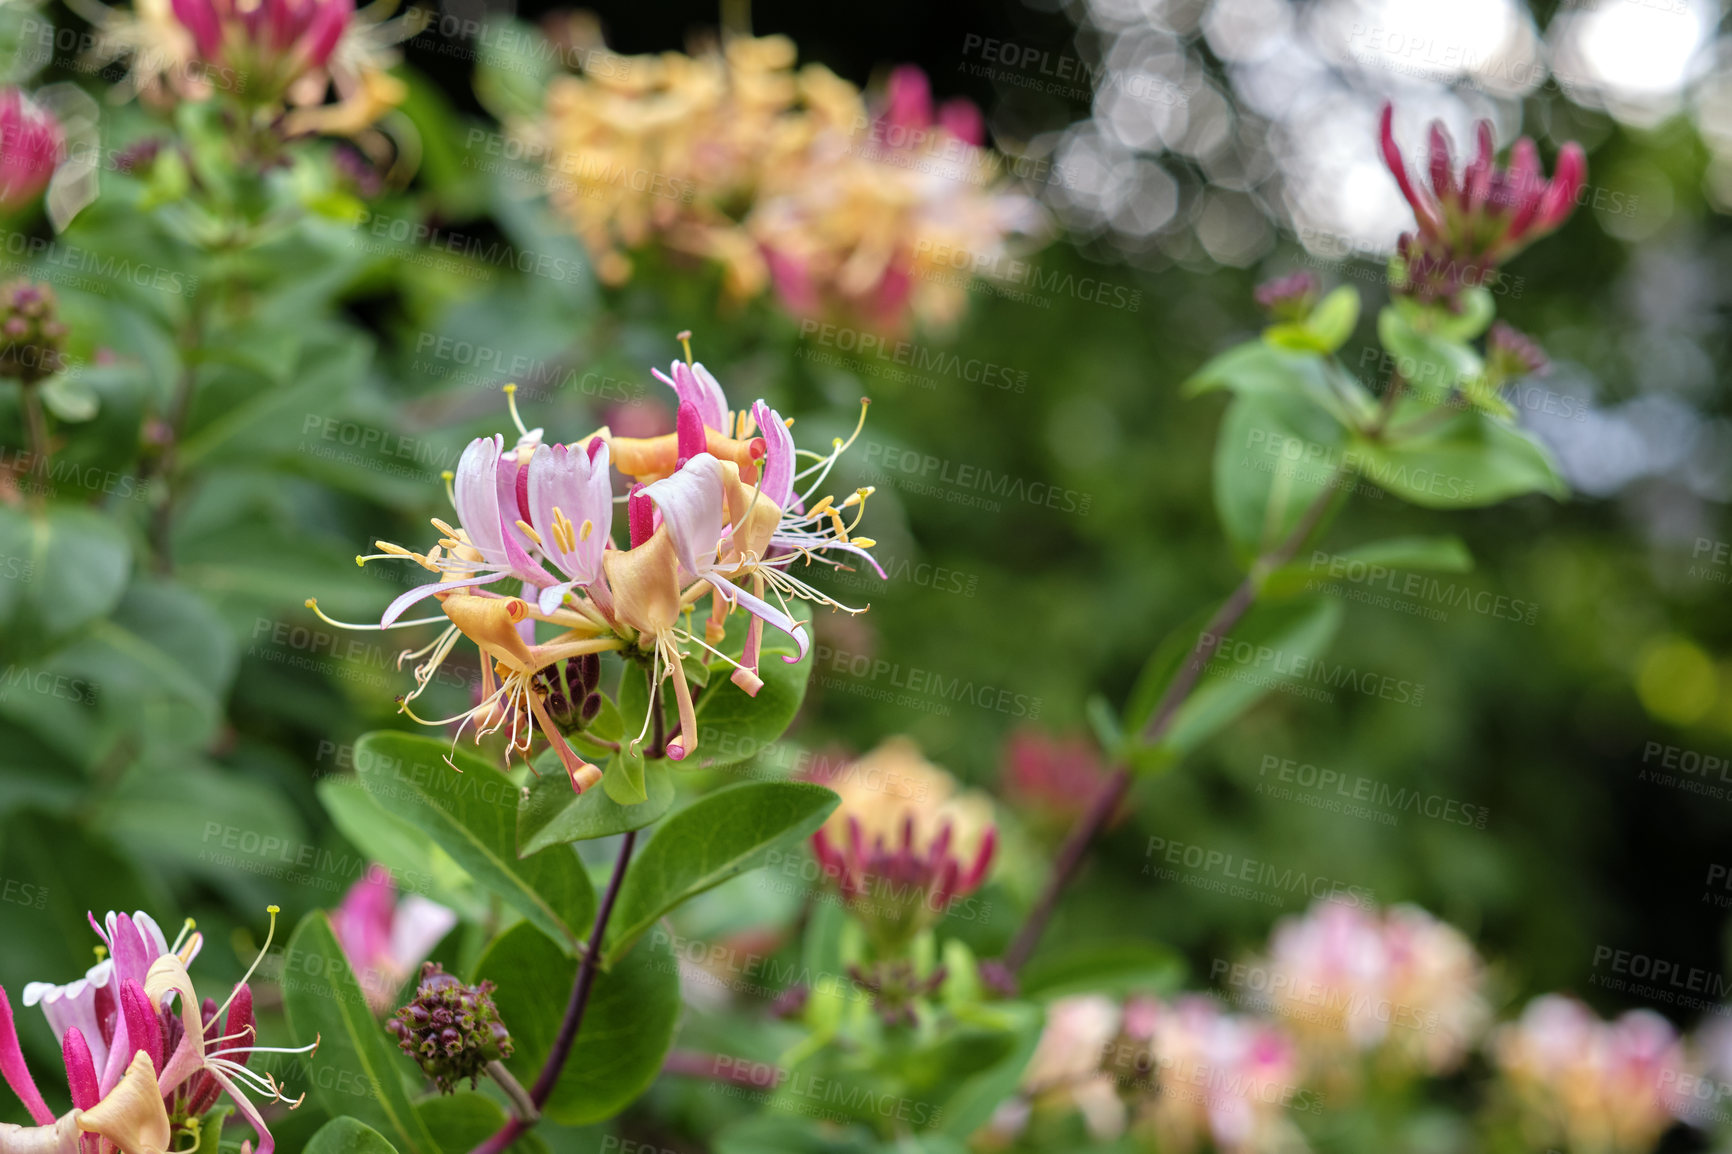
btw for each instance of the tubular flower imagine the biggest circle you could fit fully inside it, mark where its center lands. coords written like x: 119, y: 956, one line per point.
x: 384, y: 938
x: 1472, y: 223
x: 1590, y: 1084
x: 904, y: 843
x: 32, y: 146
x: 136, y: 1063
x: 532, y: 576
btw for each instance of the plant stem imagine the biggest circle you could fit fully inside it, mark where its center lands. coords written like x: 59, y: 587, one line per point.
x: 1107, y: 801
x: 522, y: 1108
x: 573, y: 1020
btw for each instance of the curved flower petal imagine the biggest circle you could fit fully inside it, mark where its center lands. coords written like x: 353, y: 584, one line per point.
x: 13, y: 1069
x: 766, y: 612
x: 167, y: 975
x: 696, y: 386
x: 778, y: 480
x: 691, y: 505
x: 60, y: 1137
x: 398, y: 607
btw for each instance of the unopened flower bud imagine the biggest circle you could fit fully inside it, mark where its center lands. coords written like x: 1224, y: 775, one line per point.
x: 30, y: 334
x: 450, y: 1029
x: 1289, y: 298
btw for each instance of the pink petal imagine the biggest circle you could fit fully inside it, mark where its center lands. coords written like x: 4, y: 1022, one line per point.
x: 690, y: 502
x: 13, y: 1069
x: 397, y: 608
x: 778, y: 479
x: 80, y: 1070
x: 763, y: 610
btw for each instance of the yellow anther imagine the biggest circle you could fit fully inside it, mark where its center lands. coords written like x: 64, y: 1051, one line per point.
x: 588, y: 528
x: 394, y: 550
x: 529, y: 530
x: 684, y: 336
x: 863, y: 542
x: 439, y: 524
x: 821, y: 507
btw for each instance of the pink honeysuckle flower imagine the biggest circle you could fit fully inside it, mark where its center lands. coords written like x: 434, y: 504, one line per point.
x: 900, y: 886
x: 157, y: 1078
x: 570, y: 502
x: 32, y: 146
x: 1471, y: 224
x: 386, y: 939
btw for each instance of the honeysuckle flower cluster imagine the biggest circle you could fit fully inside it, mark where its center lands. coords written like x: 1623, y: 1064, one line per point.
x: 1053, y: 780
x: 32, y: 145
x: 723, y: 507
x: 269, y: 57
x: 1185, y: 1074
x: 904, y: 843
x: 451, y: 1030
x: 1400, y: 984
x: 1589, y: 1084
x: 785, y: 179
x: 1469, y: 224
x: 145, y: 1058
x: 385, y: 938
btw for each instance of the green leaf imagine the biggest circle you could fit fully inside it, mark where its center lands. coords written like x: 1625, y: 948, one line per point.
x: 1275, y: 456
x: 1370, y: 562
x: 464, y: 1120
x: 210, y: 1130
x: 628, y: 1026
x: 1432, y: 362
x: 1334, y: 318
x: 359, y: 1070
x: 623, y: 780
x: 1263, y: 368
x: 716, y: 838
x: 73, y: 565
x: 1280, y: 642
x: 1470, y: 461
x: 1114, y: 968
x: 552, y: 814
x: 970, y: 1105
x: 69, y: 397
x: 471, y: 813
x: 347, y: 1136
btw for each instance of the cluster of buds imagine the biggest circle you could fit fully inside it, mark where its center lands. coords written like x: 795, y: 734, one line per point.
x: 1400, y: 985
x: 385, y: 938
x: 31, y: 333
x: 145, y: 1058
x: 1183, y: 1074
x: 786, y: 179
x: 32, y: 145
x: 1589, y: 1084
x: 451, y: 1030
x: 897, y: 988
x: 903, y: 844
x: 1471, y: 224
x: 722, y: 507
x: 1052, y: 780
